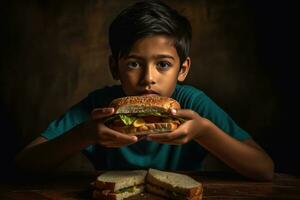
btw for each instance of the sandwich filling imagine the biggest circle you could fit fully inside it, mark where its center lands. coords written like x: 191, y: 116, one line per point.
x: 131, y: 189
x: 144, y: 122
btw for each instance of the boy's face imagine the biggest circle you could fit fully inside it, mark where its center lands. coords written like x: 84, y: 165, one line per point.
x: 151, y: 67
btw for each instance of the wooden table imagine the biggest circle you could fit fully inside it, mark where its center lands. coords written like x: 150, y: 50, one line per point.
x: 216, y: 186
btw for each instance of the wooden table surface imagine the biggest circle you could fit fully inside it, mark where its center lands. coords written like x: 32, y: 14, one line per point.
x: 219, y: 186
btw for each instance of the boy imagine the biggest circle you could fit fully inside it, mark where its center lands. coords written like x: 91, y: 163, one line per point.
x: 150, y: 44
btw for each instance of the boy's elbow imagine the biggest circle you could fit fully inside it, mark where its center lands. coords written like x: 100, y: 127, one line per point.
x: 262, y: 172
x: 267, y: 173
x: 267, y: 176
x: 261, y: 175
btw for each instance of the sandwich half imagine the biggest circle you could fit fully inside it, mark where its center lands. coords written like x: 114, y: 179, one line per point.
x: 117, y: 185
x: 173, y: 185
x: 142, y: 115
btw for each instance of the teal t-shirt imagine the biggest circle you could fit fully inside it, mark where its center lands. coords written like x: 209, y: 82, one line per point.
x: 145, y: 154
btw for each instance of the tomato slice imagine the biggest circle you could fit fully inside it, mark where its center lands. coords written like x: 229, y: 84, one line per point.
x: 152, y: 119
x: 118, y: 122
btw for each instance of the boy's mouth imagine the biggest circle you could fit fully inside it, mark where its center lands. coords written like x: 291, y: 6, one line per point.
x: 148, y: 92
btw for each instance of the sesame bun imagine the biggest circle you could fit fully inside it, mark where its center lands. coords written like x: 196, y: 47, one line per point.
x: 144, y: 104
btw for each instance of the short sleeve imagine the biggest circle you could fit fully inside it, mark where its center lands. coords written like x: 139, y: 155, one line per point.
x: 80, y: 112
x: 74, y: 116
x: 198, y: 101
x: 213, y: 112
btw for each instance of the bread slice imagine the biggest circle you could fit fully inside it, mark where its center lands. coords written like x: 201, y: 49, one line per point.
x: 117, y: 185
x: 116, y: 180
x: 173, y: 185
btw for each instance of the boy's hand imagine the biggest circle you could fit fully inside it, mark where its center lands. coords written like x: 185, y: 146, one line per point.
x: 194, y: 127
x: 103, y: 135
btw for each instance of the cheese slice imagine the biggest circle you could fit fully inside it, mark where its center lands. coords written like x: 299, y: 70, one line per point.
x: 139, y: 122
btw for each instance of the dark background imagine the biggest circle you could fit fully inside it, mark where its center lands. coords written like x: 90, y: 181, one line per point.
x: 53, y: 53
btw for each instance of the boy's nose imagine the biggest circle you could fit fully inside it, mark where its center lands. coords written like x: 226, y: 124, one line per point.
x: 148, y: 76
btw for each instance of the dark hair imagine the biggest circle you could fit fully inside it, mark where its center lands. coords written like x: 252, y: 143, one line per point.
x: 147, y: 18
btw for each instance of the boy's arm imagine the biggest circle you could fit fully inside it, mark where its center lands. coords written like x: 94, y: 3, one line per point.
x: 247, y: 157
x: 44, y: 155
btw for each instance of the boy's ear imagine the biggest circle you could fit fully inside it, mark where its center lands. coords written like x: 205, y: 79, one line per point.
x: 113, y: 66
x: 184, y: 70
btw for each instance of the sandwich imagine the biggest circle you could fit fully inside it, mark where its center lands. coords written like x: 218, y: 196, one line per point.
x: 117, y: 185
x: 173, y: 185
x: 142, y: 115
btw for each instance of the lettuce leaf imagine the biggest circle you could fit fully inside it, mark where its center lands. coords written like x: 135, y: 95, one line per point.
x: 129, y: 189
x: 127, y: 120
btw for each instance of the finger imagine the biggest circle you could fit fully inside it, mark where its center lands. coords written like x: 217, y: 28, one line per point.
x: 108, y: 134
x: 121, y: 137
x: 179, y: 140
x: 100, y: 113
x: 165, y: 136
x: 184, y: 113
x: 176, y: 136
x: 118, y: 141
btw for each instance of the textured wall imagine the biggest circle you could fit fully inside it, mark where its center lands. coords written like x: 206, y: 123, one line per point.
x: 55, y: 52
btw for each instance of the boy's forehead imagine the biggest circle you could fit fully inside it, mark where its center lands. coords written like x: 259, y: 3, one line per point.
x: 154, y: 45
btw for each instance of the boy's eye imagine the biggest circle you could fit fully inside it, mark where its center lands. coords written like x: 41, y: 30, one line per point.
x: 164, y: 65
x: 133, y: 65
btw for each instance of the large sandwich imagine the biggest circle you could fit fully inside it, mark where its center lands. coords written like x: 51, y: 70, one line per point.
x: 117, y: 185
x: 141, y: 115
x: 173, y: 185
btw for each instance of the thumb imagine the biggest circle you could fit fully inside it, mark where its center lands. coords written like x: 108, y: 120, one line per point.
x: 100, y: 113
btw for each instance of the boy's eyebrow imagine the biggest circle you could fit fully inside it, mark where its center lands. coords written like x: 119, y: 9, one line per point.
x: 133, y: 56
x: 164, y: 56
x: 155, y: 56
